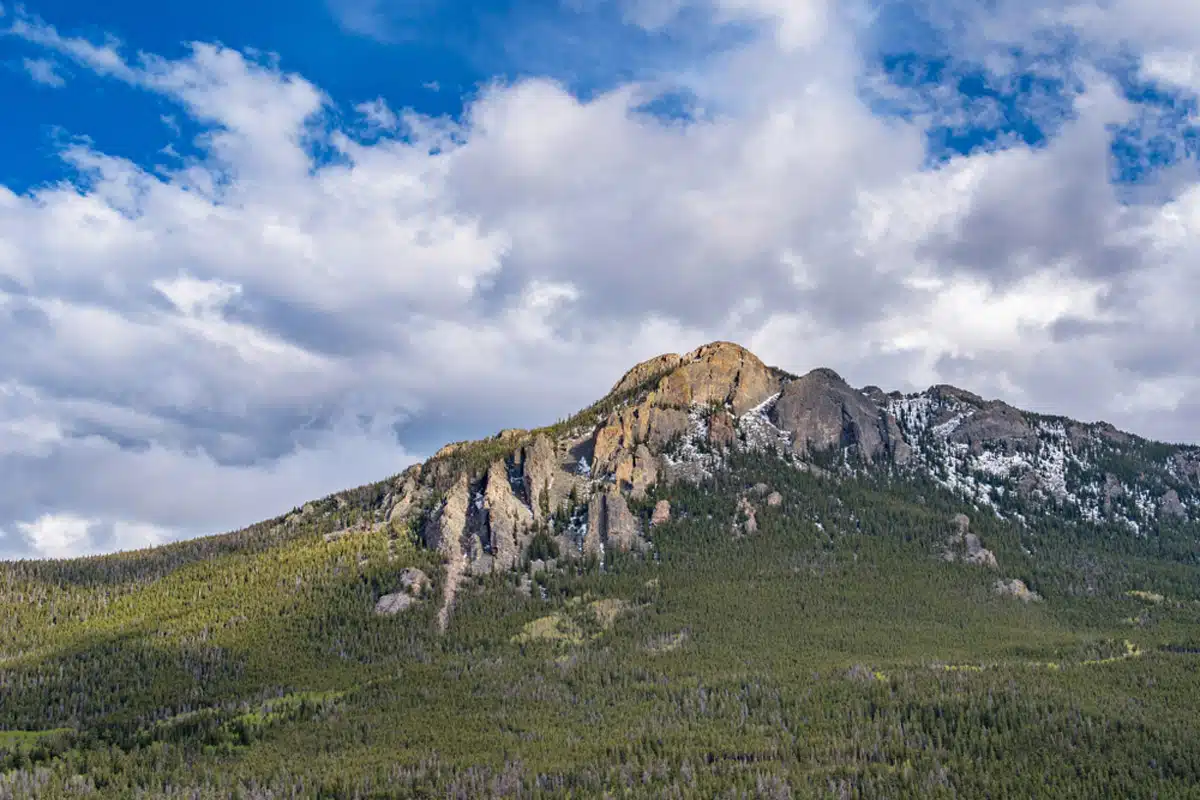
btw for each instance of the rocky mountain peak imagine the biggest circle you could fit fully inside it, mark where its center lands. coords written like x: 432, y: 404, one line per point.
x: 678, y: 417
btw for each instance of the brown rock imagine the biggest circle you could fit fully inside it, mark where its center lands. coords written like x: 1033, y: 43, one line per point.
x: 624, y: 430
x: 662, y: 513
x: 721, y: 433
x: 646, y: 371
x: 774, y: 499
x: 721, y: 372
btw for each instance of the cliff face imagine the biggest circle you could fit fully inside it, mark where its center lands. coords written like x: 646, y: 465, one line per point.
x: 677, y: 417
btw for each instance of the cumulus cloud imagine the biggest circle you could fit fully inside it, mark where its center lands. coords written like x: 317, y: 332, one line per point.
x: 319, y: 296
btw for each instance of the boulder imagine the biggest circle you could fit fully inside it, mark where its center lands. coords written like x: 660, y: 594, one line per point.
x: 1016, y: 588
x: 662, y: 513
x: 391, y: 604
x: 966, y: 546
x: 774, y: 499
x: 414, y: 581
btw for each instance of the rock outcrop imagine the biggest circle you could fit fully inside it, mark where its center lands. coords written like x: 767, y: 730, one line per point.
x: 391, y: 604
x: 646, y: 371
x: 745, y: 520
x: 682, y: 417
x: 822, y: 412
x: 722, y: 373
x: 508, y: 519
x: 611, y: 525
x: 721, y: 432
x: 1170, y: 505
x: 413, y: 583
x: 966, y: 547
x: 1016, y: 588
x: 404, y: 497
x: 637, y: 471
x: 445, y: 533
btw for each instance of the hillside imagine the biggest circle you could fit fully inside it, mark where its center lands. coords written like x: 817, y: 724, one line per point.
x: 722, y: 579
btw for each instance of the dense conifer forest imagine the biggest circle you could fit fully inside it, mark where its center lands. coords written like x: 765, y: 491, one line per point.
x: 834, y: 652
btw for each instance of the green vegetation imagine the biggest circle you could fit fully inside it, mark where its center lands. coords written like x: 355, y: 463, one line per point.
x: 833, y: 653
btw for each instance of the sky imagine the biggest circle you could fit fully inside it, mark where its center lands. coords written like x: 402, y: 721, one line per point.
x: 254, y: 253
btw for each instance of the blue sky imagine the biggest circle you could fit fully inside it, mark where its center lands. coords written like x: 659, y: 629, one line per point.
x: 260, y: 252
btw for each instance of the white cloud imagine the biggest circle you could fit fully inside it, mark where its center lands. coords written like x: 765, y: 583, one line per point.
x: 56, y: 535
x: 216, y: 339
x: 43, y: 71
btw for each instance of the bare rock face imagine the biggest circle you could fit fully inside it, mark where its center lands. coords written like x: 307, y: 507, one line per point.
x: 822, y: 412
x: 508, y: 519
x: 404, y: 496
x: 636, y: 471
x: 995, y: 425
x: 1016, y: 588
x: 721, y: 433
x: 445, y: 530
x: 610, y: 524
x: 721, y: 372
x: 646, y: 371
x: 624, y: 430
x: 1187, y: 464
x: 542, y: 475
x: 1112, y: 490
x: 662, y: 513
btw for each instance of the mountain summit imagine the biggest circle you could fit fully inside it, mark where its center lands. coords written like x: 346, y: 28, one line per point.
x: 679, y: 417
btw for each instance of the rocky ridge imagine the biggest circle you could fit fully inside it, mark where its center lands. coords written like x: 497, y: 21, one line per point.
x: 677, y: 417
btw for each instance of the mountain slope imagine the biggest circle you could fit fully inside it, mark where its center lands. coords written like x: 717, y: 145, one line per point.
x: 721, y: 579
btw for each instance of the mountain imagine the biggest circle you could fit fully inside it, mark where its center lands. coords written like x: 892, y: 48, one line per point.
x: 721, y: 578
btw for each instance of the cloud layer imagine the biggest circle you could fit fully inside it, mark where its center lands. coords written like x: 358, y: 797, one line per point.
x: 327, y: 290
